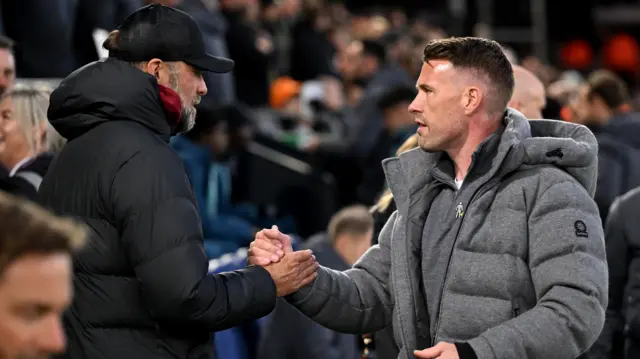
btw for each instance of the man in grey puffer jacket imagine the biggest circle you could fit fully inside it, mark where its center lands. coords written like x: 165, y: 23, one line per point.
x: 496, y: 249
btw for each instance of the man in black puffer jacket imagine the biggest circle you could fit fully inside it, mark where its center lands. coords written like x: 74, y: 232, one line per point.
x: 142, y: 288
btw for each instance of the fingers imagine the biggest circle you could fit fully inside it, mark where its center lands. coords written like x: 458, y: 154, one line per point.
x: 265, y: 251
x: 301, y: 256
x: 309, y: 267
x: 274, y: 234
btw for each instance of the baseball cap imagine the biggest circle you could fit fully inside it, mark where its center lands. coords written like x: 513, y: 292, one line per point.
x: 157, y: 31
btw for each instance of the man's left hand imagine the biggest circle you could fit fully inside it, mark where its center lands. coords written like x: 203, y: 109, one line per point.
x: 442, y: 350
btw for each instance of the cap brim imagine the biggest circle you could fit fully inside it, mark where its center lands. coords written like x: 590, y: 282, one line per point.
x: 210, y: 63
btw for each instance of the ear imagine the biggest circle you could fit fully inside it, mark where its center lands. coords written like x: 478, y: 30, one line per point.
x: 153, y: 67
x: 471, y: 99
x: 40, y: 136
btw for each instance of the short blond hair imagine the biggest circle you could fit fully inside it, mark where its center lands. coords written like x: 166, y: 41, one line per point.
x: 27, y: 228
x: 31, y: 102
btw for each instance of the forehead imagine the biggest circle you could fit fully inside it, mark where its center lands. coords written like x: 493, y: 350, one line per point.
x: 44, y: 279
x: 434, y: 70
x: 6, y: 58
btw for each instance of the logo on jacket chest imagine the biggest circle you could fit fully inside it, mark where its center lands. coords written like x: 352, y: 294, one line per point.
x: 459, y: 210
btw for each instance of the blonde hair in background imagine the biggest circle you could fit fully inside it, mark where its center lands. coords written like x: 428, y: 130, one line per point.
x: 387, y: 196
x: 30, y: 102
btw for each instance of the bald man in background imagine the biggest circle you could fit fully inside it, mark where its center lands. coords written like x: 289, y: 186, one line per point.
x: 529, y: 95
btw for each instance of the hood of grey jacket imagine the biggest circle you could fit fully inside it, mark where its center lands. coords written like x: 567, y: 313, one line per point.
x: 571, y: 147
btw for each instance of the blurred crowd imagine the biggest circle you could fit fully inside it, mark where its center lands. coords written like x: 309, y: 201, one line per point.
x: 295, y: 135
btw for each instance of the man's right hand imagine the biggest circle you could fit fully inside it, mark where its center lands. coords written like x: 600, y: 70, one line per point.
x: 294, y: 271
x: 289, y: 270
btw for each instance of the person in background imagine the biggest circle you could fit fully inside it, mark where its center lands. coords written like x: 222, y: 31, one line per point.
x: 602, y: 106
x: 7, y: 64
x: 27, y: 142
x: 620, y: 337
x: 142, y: 286
x: 288, y: 334
x: 496, y: 249
x: 203, y: 150
x: 252, y: 49
x: 35, y: 278
x: 528, y: 94
x: 44, y: 31
x: 399, y: 124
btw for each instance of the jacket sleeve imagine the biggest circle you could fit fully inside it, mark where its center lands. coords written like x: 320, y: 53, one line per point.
x: 569, y: 273
x: 618, y: 260
x: 357, y: 300
x: 155, y: 213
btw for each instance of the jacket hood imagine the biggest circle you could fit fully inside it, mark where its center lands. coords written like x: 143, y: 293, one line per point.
x: 107, y: 90
x: 571, y: 147
x: 520, y: 143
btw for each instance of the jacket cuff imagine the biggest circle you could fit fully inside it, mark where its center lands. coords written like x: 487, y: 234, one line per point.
x: 259, y: 275
x: 465, y: 351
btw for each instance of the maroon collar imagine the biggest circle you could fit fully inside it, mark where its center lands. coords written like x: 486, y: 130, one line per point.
x: 172, y: 105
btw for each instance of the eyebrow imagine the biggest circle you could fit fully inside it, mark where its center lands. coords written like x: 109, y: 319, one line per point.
x: 424, y: 87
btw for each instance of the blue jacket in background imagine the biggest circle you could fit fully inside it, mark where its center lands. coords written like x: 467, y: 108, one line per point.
x: 211, y: 182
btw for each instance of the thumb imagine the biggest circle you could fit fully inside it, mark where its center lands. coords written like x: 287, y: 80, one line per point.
x: 428, y: 353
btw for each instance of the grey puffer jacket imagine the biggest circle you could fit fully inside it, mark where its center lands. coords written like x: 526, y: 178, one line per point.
x: 526, y: 275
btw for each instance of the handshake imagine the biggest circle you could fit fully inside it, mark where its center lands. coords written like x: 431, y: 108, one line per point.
x: 289, y: 270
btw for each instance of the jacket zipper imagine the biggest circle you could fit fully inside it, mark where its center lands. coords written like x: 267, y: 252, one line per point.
x: 480, y: 191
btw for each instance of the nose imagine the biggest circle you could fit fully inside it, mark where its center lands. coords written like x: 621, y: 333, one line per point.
x: 416, y: 105
x: 202, y: 87
x: 52, y: 339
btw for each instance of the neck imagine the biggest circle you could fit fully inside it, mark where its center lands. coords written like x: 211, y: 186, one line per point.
x: 13, y: 159
x: 463, y: 154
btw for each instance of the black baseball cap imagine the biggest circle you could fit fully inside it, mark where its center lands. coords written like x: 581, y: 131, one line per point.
x: 157, y: 31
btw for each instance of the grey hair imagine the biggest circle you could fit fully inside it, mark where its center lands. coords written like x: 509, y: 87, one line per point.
x: 31, y: 101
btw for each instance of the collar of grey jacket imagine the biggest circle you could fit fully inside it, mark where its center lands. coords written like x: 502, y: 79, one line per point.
x: 520, y: 143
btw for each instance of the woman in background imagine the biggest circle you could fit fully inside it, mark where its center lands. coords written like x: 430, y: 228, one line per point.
x: 27, y: 141
x: 384, y: 343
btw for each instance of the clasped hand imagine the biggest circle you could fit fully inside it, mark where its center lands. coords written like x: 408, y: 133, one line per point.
x: 289, y: 270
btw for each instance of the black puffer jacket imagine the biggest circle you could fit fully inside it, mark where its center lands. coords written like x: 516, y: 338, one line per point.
x: 141, y: 284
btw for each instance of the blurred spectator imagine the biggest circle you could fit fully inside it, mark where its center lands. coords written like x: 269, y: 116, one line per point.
x: 399, y: 124
x: 252, y: 49
x: 290, y: 335
x: 203, y: 150
x: 528, y: 93
x: 214, y: 28
x: 27, y: 141
x: 365, y: 120
x: 7, y: 64
x: 36, y: 286
x: 602, y: 105
x: 44, y: 34
x: 93, y: 17
x: 620, y: 336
